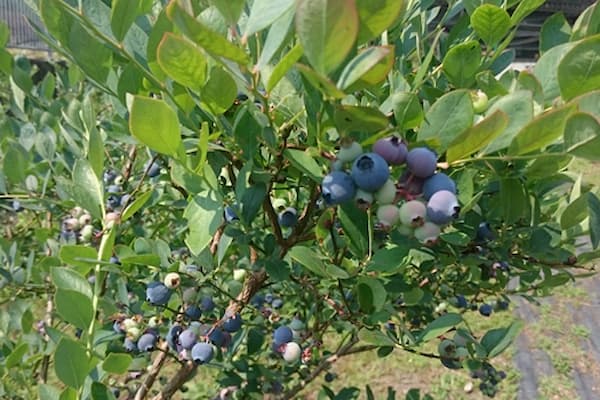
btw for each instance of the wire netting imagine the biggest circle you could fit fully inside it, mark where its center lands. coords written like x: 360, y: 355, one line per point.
x: 15, y: 14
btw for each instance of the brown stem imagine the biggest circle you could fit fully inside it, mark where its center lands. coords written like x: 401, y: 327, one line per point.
x: 146, y: 385
x: 181, y: 377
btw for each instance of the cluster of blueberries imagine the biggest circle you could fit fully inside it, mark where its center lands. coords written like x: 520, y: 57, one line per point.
x: 77, y: 227
x: 453, y: 352
x: 188, y: 337
x: 420, y: 203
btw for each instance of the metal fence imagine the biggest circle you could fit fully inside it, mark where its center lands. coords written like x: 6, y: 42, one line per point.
x: 15, y: 14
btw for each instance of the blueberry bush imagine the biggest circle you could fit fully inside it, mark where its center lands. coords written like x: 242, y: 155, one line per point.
x: 226, y: 197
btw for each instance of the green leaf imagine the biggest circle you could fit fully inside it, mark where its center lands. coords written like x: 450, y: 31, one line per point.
x: 440, y: 326
x: 101, y: 392
x: 491, y: 23
x: 320, y: 82
x: 56, y: 20
x: 587, y: 23
x: 496, y: 341
x: 15, y: 357
x: 277, y: 36
x: 305, y: 163
x: 141, y: 259
x: 582, y: 136
x: 477, y: 137
x: 370, y: 67
x: 359, y: 119
x: 230, y: 9
x: 541, y: 132
x: 264, y: 13
x: 87, y: 189
x: 447, y: 118
x: 78, y: 256
x: 406, y: 108
x: 252, y: 201
x: 376, y: 16
x: 4, y: 34
x: 513, y: 200
x: 182, y: 61
x: 69, y: 394
x: 71, y: 363
x: 546, y: 70
x: 219, y: 92
x: 518, y: 106
x: 123, y: 15
x: 594, y: 206
x: 117, y: 363
x: 355, y: 225
x: 91, y: 55
x: 284, y: 65
x: 65, y: 278
x: 74, y: 307
x: 579, y: 69
x: 155, y: 124
x: 204, y: 214
x: 162, y: 25
x: 16, y: 163
x: 525, y: 8
x: 96, y: 151
x: 555, y: 31
x: 327, y: 30
x: 376, y: 338
x: 214, y: 44
x: 575, y: 212
x: 309, y: 259
x: 135, y: 206
x: 392, y: 259
x: 371, y: 294
x: 461, y: 63
x: 47, y: 392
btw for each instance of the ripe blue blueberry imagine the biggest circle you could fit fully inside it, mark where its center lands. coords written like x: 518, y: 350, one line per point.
x: 229, y: 214
x: 421, y: 162
x: 370, y: 172
x: 277, y: 303
x: 113, y: 189
x: 392, y: 149
x: 157, y: 293
x: 202, y: 353
x: 109, y: 176
x: 485, y: 310
x: 283, y: 335
x: 188, y: 338
x: 288, y: 217
x: 207, y: 304
x: 193, y: 312
x: 437, y: 182
x: 337, y: 187
x: 461, y: 301
x: 114, y: 260
x: 269, y: 298
x: 129, y: 345
x: 173, y: 336
x: 113, y: 202
x: 442, y: 207
x: 153, y: 169
x: 217, y: 336
x: 233, y: 323
x: 146, y: 342
x: 484, y: 232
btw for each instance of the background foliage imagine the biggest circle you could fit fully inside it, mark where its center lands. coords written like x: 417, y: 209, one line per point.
x: 244, y: 104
